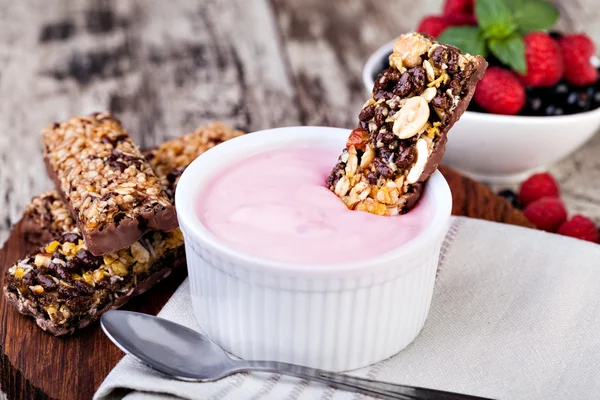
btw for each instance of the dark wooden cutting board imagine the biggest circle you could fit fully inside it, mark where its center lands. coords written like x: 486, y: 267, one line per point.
x: 34, y: 364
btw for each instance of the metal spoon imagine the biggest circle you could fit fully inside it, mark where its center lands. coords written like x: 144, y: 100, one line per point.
x: 188, y: 355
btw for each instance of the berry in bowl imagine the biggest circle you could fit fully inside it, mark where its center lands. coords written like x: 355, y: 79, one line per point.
x: 539, y: 100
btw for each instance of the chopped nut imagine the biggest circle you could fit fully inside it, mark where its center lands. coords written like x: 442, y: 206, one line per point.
x: 51, y: 310
x: 342, y: 187
x: 68, y: 248
x: 119, y: 268
x: 98, y: 275
x: 88, y: 278
x: 42, y: 260
x: 412, y: 118
x: 66, y: 313
x: 367, y: 157
x: 393, y: 210
x: 429, y: 70
x: 408, y: 50
x: 399, y: 181
x: 422, y: 155
x: 429, y: 94
x: 108, y: 259
x: 352, y: 163
x: 139, y: 253
x: 37, y: 289
x: 359, y: 192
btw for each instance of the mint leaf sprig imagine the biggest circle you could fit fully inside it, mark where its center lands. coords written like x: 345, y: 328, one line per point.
x: 501, y: 27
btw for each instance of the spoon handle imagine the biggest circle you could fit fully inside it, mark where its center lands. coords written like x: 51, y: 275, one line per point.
x: 369, y: 387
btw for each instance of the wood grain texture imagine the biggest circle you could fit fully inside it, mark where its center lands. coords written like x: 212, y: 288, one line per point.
x: 474, y: 200
x: 167, y: 67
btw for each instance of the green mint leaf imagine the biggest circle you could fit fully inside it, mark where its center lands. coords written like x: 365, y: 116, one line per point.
x: 494, y: 18
x: 469, y: 39
x: 511, y: 51
x: 514, y: 5
x: 535, y: 15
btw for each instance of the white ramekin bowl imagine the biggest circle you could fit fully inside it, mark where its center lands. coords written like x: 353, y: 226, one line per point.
x: 502, y: 148
x: 330, y: 316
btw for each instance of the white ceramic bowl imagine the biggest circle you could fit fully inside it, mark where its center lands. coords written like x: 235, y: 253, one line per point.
x: 331, y: 316
x: 501, y: 148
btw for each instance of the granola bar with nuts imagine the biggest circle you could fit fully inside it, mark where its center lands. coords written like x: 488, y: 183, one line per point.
x: 111, y: 191
x: 46, y: 217
x: 402, y: 130
x: 65, y: 287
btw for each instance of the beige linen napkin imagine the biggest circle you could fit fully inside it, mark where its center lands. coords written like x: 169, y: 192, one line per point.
x: 515, y: 315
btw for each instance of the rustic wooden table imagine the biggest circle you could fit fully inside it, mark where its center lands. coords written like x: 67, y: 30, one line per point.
x: 166, y: 67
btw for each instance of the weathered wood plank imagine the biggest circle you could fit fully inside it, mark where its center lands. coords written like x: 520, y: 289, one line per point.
x: 163, y: 67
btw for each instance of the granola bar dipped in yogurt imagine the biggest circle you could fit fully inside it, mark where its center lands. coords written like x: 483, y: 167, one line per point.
x: 402, y: 129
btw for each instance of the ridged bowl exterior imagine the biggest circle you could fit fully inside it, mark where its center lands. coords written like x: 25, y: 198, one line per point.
x: 333, y: 318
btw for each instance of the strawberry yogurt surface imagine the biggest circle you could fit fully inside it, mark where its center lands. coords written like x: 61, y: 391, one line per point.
x: 275, y: 205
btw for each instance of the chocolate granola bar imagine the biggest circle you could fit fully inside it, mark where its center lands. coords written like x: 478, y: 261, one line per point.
x: 111, y: 191
x: 402, y: 130
x: 47, y: 218
x: 65, y: 287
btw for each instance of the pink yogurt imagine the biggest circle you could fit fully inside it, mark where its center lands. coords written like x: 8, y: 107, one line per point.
x: 275, y: 205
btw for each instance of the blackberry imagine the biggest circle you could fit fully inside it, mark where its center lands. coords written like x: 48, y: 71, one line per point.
x: 511, y: 197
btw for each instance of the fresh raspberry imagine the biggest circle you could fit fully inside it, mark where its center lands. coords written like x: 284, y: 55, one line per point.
x: 433, y: 25
x: 452, y: 7
x: 544, y: 60
x: 580, y: 227
x: 538, y: 186
x: 547, y: 213
x: 500, y: 92
x: 577, y: 49
x: 461, y: 19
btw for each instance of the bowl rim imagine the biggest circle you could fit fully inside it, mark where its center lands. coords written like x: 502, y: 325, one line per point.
x: 383, y: 51
x: 214, y: 160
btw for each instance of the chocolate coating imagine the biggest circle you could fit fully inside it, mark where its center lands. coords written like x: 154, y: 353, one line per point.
x: 113, y: 237
x: 440, y: 146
